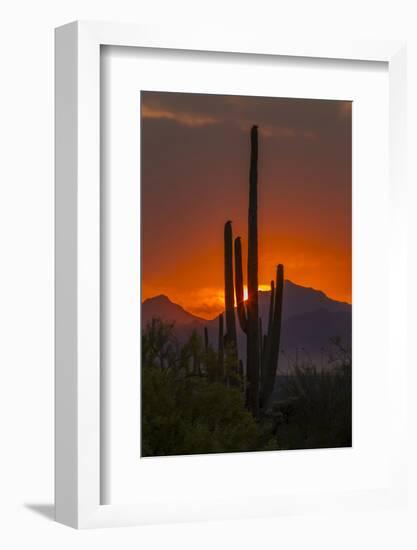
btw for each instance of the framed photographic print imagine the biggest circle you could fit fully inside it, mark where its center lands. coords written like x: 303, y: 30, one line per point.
x: 228, y: 214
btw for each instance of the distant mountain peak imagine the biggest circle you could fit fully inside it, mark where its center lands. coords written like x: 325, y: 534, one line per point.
x: 319, y: 293
x: 159, y: 298
x: 161, y: 307
x: 290, y: 284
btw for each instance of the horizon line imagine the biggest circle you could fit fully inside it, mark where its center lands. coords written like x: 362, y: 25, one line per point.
x: 162, y: 294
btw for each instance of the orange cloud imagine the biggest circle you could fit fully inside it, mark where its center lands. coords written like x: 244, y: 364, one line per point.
x: 187, y: 119
x: 195, y: 120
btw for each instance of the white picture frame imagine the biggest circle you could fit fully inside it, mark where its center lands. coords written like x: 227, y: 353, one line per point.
x: 78, y: 406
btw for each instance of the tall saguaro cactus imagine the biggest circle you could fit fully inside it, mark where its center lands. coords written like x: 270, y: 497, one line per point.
x: 252, y: 315
x: 261, y: 352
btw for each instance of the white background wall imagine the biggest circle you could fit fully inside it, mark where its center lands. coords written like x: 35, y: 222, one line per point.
x: 26, y: 270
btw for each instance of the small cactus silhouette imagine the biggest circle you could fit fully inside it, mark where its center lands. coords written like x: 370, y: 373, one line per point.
x: 270, y: 353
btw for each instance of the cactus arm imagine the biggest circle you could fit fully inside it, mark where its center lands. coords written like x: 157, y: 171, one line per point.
x: 264, y: 349
x: 278, y: 313
x: 229, y: 290
x: 221, y: 345
x: 271, y: 307
x: 261, y: 343
x: 267, y: 349
x: 240, y: 300
x: 206, y: 339
x: 270, y: 363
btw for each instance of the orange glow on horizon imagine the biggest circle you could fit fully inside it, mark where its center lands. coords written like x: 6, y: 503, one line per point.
x: 209, y: 303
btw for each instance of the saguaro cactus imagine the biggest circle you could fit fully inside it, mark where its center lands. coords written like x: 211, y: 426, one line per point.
x: 229, y: 289
x: 266, y: 339
x: 271, y: 306
x: 252, y: 341
x: 221, y: 345
x: 205, y: 339
x: 261, y: 352
x: 240, y: 300
x: 248, y: 314
x: 272, y: 340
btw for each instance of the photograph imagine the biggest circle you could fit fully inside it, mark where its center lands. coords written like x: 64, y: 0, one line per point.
x: 246, y: 273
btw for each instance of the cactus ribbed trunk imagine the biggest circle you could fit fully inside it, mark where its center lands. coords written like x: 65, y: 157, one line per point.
x: 277, y: 316
x: 240, y: 299
x: 252, y: 349
x: 229, y: 289
x: 206, y: 339
x: 270, y: 358
x: 261, y: 342
x: 271, y: 307
x: 221, y: 346
x: 267, y: 348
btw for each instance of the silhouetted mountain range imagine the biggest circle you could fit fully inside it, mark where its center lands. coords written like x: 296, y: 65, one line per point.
x: 310, y: 320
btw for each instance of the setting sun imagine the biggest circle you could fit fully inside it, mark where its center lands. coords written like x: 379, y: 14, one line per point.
x: 261, y: 288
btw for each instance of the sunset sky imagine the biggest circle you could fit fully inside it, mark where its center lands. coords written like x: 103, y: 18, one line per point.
x: 195, y: 166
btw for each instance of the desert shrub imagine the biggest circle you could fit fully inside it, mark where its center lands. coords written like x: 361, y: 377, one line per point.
x: 317, y: 410
x: 185, y: 410
x: 191, y: 415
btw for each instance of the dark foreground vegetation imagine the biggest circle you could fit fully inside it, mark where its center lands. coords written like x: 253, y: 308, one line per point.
x: 191, y: 404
